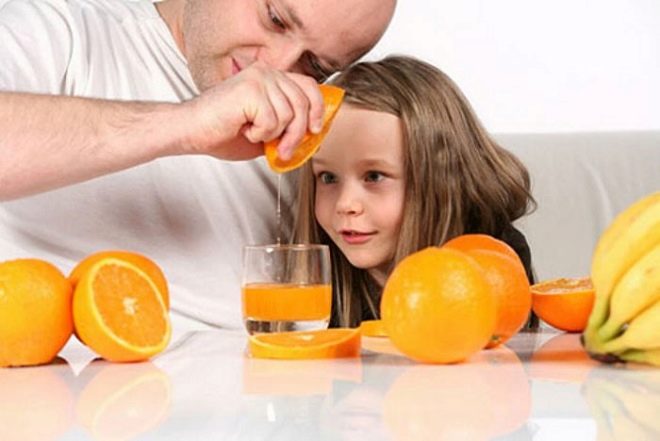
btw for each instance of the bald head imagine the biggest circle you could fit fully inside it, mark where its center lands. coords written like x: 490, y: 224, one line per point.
x: 354, y: 25
x: 314, y: 37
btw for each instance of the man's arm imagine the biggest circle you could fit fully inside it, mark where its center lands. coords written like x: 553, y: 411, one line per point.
x: 51, y: 141
x: 48, y: 142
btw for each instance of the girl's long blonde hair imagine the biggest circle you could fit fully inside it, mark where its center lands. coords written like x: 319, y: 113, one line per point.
x: 458, y: 179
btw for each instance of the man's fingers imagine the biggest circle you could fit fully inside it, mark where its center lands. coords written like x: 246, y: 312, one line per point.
x: 264, y: 122
x: 297, y: 125
x: 316, y: 108
x: 284, y: 105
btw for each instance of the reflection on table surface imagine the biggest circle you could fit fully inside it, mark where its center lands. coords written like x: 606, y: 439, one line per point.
x: 539, y: 386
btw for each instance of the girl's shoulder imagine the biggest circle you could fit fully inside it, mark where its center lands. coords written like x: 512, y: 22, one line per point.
x: 517, y: 240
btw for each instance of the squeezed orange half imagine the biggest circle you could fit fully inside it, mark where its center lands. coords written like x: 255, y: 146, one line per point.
x: 332, y: 98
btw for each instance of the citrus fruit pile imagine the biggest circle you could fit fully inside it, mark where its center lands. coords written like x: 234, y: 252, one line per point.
x: 439, y: 305
x: 117, y: 302
x: 443, y: 304
x: 332, y: 98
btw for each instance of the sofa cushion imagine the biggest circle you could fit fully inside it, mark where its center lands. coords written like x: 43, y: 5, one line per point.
x: 580, y: 181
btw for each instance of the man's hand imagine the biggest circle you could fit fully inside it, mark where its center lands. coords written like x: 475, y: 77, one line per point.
x: 52, y: 141
x: 234, y: 119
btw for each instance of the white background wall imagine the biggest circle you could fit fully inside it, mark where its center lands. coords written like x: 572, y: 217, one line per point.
x: 541, y: 65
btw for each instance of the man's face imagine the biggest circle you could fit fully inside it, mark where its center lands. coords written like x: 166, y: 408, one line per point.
x: 314, y: 37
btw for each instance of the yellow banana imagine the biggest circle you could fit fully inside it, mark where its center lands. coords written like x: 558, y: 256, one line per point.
x: 637, y: 290
x: 650, y: 356
x: 630, y: 236
x: 643, y: 332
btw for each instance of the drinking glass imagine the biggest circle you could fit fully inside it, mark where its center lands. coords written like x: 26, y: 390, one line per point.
x: 286, y: 287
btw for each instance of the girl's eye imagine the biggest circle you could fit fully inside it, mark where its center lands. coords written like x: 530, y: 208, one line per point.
x: 374, y: 176
x: 326, y: 178
x: 275, y: 19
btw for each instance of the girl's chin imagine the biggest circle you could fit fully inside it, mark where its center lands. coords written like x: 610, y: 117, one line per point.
x: 375, y: 269
x: 358, y: 260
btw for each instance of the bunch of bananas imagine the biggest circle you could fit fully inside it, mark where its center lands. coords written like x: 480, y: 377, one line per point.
x: 624, y: 324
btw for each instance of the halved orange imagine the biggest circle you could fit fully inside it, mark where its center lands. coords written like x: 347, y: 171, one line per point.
x: 143, y: 262
x: 564, y: 303
x: 118, y: 311
x: 373, y: 328
x: 332, y: 97
x: 324, y: 343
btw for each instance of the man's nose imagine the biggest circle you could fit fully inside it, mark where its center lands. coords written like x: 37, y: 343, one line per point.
x: 282, y: 53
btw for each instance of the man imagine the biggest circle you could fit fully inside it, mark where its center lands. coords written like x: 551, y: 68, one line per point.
x: 147, y: 97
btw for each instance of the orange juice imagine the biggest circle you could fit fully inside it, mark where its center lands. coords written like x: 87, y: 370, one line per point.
x: 286, y: 306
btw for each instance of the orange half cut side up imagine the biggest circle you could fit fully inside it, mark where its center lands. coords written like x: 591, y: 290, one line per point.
x: 332, y: 97
x: 564, y: 303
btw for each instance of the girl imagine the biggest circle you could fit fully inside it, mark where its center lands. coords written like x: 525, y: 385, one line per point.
x: 406, y: 165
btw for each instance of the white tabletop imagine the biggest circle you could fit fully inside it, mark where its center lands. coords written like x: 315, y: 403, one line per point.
x: 540, y: 386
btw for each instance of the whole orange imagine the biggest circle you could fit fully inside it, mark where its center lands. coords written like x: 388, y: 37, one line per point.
x: 438, y: 307
x: 35, y: 312
x: 469, y: 242
x: 510, y: 286
x: 143, y: 262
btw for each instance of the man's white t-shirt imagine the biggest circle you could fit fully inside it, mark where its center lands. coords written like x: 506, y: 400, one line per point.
x: 191, y: 214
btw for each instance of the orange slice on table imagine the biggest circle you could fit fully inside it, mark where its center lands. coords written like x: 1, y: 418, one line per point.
x: 373, y: 328
x: 564, y: 303
x: 119, y: 313
x: 324, y: 343
x: 332, y: 97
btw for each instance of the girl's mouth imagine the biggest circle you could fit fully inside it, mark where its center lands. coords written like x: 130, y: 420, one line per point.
x: 352, y: 237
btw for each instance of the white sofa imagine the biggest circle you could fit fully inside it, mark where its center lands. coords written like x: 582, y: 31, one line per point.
x: 580, y: 182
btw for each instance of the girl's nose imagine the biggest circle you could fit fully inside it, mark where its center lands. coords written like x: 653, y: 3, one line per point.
x: 349, y: 202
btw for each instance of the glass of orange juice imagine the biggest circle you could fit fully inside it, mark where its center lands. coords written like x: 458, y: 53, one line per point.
x: 286, y: 287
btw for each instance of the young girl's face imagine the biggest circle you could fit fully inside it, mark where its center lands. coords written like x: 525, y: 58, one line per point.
x: 360, y: 187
